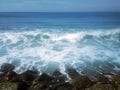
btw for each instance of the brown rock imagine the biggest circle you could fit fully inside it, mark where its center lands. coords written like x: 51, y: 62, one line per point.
x: 13, y: 86
x: 64, y: 86
x: 100, y: 86
x: 43, y: 82
x: 81, y: 82
x: 8, y: 75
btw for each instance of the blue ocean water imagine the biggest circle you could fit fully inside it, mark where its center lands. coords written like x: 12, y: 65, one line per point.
x: 50, y: 41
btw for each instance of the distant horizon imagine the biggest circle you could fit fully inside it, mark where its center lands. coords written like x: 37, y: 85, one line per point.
x: 64, y: 12
x: 60, y: 6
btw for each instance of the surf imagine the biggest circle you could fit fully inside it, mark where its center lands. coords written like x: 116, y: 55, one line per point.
x: 48, y: 51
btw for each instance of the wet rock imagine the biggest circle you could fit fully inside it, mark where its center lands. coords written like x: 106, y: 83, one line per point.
x: 28, y: 76
x: 72, y: 73
x: 103, y: 79
x: 7, y: 67
x: 43, y: 82
x: 100, y: 86
x: 81, y: 82
x: 58, y: 77
x: 116, y: 81
x: 8, y: 75
x: 64, y: 86
x: 92, y: 74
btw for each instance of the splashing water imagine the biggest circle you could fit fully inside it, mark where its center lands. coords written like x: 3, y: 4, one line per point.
x: 48, y: 51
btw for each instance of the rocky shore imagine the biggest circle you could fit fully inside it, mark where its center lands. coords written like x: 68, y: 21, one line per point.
x: 31, y: 80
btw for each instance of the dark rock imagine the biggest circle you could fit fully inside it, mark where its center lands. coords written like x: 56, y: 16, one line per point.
x: 7, y: 67
x: 116, y: 80
x: 64, y: 86
x: 45, y: 77
x: 13, y: 86
x: 100, y: 86
x: 28, y: 76
x: 43, y: 82
x: 72, y: 73
x: 81, y: 82
x: 58, y: 77
x: 103, y: 79
x: 22, y: 86
x: 8, y: 76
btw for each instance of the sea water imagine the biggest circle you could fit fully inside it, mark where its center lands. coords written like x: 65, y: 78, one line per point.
x: 54, y: 41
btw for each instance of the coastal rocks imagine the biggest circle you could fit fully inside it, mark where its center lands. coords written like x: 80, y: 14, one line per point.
x: 42, y: 82
x: 100, y: 86
x: 28, y: 76
x: 31, y: 80
x: 81, y: 82
x: 6, y: 76
x: 64, y: 86
x: 9, y: 86
x: 116, y: 81
x: 72, y: 73
x: 58, y: 77
x: 6, y: 67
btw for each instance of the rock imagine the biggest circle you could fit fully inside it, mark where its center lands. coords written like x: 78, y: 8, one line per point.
x: 45, y: 77
x: 72, y: 73
x: 13, y: 86
x: 8, y: 75
x: 116, y: 80
x: 81, y: 82
x: 9, y: 86
x: 7, y: 67
x: 58, y: 77
x: 64, y: 86
x: 28, y: 76
x: 100, y: 86
x: 92, y: 74
x: 103, y: 79
x: 22, y: 86
x: 43, y: 82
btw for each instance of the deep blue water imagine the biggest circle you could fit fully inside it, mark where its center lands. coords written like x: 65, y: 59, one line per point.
x: 50, y: 41
x: 85, y: 20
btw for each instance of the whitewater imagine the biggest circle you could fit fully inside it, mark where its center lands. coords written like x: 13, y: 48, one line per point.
x: 50, y: 50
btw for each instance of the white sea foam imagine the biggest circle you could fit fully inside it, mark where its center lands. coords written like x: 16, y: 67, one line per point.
x: 46, y: 50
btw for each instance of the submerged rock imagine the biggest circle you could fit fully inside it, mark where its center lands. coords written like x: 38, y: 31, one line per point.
x: 72, y: 73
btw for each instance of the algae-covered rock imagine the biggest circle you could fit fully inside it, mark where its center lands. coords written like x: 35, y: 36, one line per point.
x: 81, y: 82
x: 9, y: 86
x: 100, y: 86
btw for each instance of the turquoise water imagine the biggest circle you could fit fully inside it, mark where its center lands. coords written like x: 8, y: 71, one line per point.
x: 50, y: 41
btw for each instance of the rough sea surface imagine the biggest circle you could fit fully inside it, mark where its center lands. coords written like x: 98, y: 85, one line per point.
x: 55, y: 41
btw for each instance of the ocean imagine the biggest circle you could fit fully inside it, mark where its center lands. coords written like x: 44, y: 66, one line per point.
x: 47, y: 41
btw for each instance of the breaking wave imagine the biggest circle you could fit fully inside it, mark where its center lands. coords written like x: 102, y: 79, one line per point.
x: 48, y: 51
